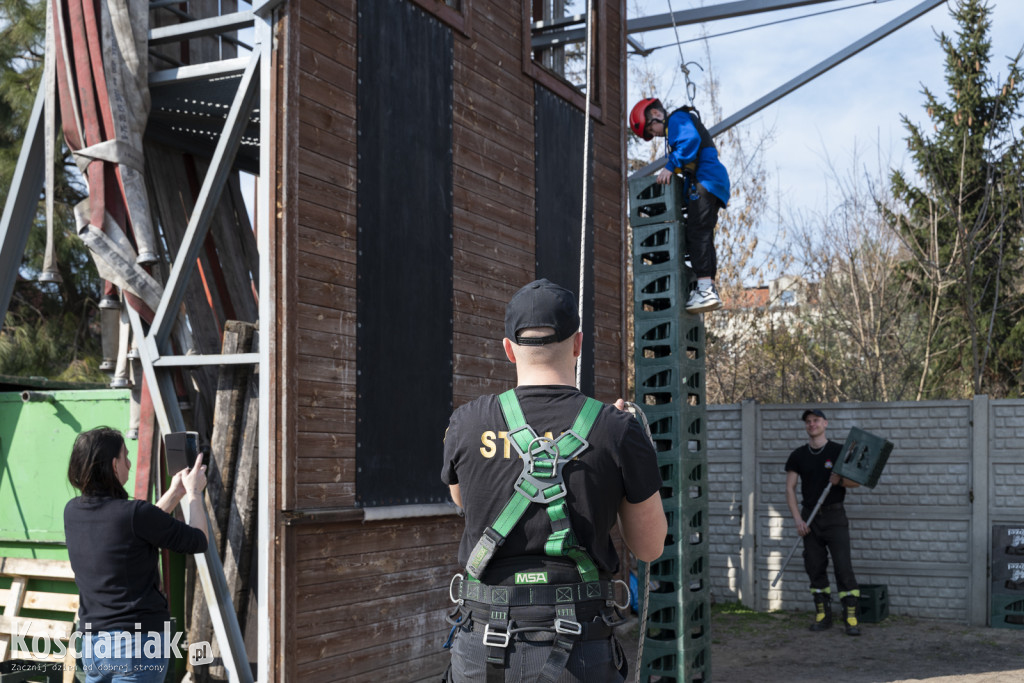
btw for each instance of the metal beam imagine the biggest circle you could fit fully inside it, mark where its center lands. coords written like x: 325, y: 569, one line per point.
x: 199, y: 28
x: 206, y: 359
x: 198, y: 72
x: 205, y: 207
x: 726, y: 10
x: 808, y: 75
x: 268, y: 447
x: 825, y: 65
x: 208, y: 564
x: 22, y: 202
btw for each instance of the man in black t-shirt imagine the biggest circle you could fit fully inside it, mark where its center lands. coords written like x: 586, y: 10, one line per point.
x: 829, y: 531
x: 613, y: 478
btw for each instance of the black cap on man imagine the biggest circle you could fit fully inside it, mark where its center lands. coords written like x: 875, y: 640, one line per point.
x: 541, y: 303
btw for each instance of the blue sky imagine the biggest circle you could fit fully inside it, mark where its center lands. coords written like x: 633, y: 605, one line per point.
x: 857, y: 103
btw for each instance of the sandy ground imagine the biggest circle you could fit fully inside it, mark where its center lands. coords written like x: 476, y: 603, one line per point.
x: 764, y: 648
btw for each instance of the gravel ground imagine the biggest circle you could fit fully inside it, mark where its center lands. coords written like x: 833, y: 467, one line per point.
x: 769, y: 647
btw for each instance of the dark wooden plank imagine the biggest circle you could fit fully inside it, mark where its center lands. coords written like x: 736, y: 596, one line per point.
x: 358, y: 649
x: 316, y: 445
x: 325, y: 269
x: 331, y: 600
x: 327, y: 294
x: 330, y: 38
x: 341, y: 221
x: 330, y: 135
x: 416, y: 659
x: 481, y: 164
x: 395, y: 619
x: 335, y: 469
x: 326, y: 345
x: 325, y: 319
x: 325, y: 369
x: 318, y: 394
x: 341, y: 539
x: 368, y: 565
x: 311, y: 496
x: 332, y: 170
x: 322, y: 198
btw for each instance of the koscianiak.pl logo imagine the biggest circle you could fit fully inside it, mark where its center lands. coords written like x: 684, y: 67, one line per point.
x: 136, y: 644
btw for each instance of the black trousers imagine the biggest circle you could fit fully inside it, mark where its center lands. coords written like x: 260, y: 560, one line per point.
x: 830, y: 535
x: 591, y: 661
x: 700, y: 230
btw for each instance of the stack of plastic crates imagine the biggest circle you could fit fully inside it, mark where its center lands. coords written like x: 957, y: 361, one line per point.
x: 670, y: 372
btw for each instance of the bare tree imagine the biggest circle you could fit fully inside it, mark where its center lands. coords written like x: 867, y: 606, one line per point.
x: 861, y: 327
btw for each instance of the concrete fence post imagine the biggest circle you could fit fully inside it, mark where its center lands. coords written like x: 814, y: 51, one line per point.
x: 980, y: 545
x: 748, y: 491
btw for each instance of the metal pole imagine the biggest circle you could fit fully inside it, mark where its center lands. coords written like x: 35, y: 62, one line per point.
x: 810, y: 519
x: 22, y: 202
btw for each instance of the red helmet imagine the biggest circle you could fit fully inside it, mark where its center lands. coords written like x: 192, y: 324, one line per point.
x: 638, y: 117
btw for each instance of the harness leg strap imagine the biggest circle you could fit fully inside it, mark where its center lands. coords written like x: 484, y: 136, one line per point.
x: 497, y: 639
x: 567, y: 631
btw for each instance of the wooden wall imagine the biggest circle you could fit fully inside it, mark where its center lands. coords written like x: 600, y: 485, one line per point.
x: 365, y: 600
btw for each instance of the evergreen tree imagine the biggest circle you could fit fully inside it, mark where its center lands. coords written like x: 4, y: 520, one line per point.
x: 961, y: 219
x: 50, y: 330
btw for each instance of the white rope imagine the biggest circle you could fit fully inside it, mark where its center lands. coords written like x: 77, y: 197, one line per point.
x: 586, y: 159
x: 642, y: 568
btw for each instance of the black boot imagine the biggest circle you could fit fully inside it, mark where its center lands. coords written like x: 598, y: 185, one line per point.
x: 823, y: 612
x: 850, y: 614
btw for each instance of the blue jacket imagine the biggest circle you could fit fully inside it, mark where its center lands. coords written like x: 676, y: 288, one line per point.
x: 684, y: 140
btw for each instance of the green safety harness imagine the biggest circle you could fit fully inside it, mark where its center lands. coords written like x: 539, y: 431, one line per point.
x: 540, y: 482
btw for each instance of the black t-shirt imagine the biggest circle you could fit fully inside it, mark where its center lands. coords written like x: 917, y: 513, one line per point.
x: 815, y: 468
x: 620, y: 463
x: 113, y: 547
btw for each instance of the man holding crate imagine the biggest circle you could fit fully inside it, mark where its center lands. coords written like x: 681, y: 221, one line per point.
x: 829, y: 531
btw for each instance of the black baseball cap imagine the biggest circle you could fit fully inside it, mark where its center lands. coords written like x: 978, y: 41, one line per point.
x: 813, y: 411
x: 541, y: 303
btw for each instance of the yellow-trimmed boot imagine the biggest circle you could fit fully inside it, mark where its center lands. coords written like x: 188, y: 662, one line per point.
x: 850, y: 603
x: 822, y: 611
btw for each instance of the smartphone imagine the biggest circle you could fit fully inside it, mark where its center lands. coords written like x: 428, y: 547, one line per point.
x: 181, y: 450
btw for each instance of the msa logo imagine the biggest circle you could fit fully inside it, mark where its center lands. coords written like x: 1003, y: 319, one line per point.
x: 531, y: 577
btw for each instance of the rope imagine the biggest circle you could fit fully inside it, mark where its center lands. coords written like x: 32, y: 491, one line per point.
x: 646, y: 566
x: 586, y: 159
x: 583, y: 255
x: 691, y: 87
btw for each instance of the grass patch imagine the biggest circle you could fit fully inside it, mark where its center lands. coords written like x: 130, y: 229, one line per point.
x: 737, y: 610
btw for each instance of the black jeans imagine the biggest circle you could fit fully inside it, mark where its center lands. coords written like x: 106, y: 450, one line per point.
x: 700, y: 230
x: 830, y: 534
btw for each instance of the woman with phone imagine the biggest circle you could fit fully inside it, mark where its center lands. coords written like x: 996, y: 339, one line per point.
x: 113, y: 544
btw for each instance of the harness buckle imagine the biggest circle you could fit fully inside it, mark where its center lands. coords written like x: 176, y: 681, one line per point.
x: 584, y: 444
x: 628, y: 594
x: 451, y: 589
x: 541, y: 487
x: 511, y: 437
x: 567, y: 627
x: 496, y: 638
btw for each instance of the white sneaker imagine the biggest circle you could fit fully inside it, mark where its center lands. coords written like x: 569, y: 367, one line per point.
x: 703, y: 300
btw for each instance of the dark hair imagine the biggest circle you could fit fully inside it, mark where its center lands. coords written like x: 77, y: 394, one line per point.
x: 91, y: 469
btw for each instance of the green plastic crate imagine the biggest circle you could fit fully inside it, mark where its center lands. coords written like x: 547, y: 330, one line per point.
x: 874, y: 603
x: 1007, y: 611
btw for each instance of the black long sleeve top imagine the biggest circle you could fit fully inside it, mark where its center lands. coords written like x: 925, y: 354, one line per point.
x: 113, y: 546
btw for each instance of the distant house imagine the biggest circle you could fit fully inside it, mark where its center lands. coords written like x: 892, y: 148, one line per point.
x: 753, y: 310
